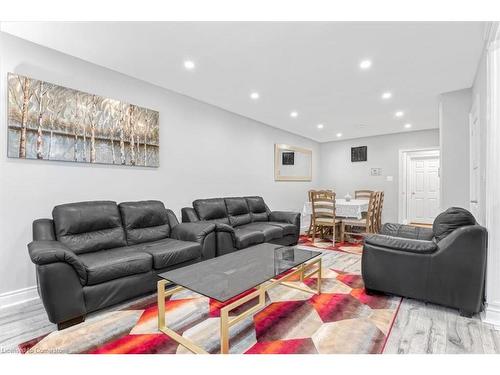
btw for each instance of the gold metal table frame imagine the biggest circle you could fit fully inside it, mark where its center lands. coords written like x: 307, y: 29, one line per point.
x: 304, y: 271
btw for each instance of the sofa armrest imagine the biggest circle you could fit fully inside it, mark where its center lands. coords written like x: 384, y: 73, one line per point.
x: 43, y: 229
x: 195, y: 232
x: 406, y: 231
x: 189, y: 215
x: 46, y: 252
x: 221, y: 227
x: 401, y: 244
x: 286, y: 217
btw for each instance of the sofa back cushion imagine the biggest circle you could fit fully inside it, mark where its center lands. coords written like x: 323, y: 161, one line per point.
x: 258, y: 209
x: 449, y: 220
x: 144, y: 221
x: 213, y: 209
x: 238, y: 212
x: 89, y: 226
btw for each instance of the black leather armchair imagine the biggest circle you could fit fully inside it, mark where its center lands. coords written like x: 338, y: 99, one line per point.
x: 444, y: 265
x: 244, y: 221
x: 95, y: 254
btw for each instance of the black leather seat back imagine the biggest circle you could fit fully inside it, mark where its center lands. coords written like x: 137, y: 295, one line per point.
x: 449, y: 220
x: 258, y: 208
x: 213, y: 209
x: 238, y: 212
x: 144, y: 221
x: 89, y: 226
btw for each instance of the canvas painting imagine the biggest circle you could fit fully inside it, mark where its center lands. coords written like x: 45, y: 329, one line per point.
x: 51, y: 122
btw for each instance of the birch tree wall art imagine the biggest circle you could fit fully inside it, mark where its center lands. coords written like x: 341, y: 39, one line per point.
x: 51, y: 122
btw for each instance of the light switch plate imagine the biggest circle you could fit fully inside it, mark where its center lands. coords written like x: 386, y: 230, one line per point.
x: 389, y: 178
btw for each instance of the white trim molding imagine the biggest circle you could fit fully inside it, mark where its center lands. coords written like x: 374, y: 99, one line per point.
x: 492, y: 310
x: 17, y: 297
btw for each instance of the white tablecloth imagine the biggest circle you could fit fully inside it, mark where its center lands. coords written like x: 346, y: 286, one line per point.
x: 353, y: 209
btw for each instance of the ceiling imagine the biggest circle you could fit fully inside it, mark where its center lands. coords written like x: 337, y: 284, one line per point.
x: 308, y: 67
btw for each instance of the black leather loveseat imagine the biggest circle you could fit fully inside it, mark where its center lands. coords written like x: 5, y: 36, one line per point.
x: 444, y: 265
x: 244, y: 221
x: 95, y: 254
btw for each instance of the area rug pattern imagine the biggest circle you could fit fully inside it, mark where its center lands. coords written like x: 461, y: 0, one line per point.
x: 323, y: 244
x: 343, y: 319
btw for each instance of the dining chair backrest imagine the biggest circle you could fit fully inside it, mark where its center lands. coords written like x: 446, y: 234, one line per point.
x: 380, y: 205
x: 371, y: 215
x: 323, y: 204
x: 362, y: 194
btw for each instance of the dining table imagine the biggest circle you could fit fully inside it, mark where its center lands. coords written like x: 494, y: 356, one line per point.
x: 352, y: 208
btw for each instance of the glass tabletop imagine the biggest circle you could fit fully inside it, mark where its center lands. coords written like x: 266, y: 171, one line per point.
x: 225, y: 277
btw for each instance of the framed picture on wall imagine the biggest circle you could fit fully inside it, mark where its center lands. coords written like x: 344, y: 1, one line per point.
x: 51, y: 122
x: 359, y: 154
x: 288, y: 158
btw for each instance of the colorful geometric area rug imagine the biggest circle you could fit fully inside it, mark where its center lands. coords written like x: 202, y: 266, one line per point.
x: 342, y: 319
x: 324, y: 244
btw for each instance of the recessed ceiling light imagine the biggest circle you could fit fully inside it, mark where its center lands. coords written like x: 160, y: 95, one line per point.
x: 407, y: 126
x: 254, y: 95
x: 386, y: 95
x: 339, y: 135
x: 399, y: 114
x: 189, y: 65
x: 294, y: 114
x: 365, y: 64
x: 320, y: 126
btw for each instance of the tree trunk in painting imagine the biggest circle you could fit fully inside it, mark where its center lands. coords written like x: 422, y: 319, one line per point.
x: 122, y: 137
x: 92, y: 128
x: 76, y: 125
x: 131, y: 125
x: 84, y: 128
x: 39, y: 137
x: 146, y: 130
x: 24, y: 117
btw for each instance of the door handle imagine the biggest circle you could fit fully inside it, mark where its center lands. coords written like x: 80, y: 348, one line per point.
x: 474, y: 201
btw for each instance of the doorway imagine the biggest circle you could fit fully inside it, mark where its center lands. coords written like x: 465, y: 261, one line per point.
x: 419, y: 186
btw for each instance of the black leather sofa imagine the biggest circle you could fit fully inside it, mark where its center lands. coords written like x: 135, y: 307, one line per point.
x: 95, y: 254
x: 445, y: 265
x: 244, y: 221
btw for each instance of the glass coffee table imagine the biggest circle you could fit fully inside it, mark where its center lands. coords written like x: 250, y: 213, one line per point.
x: 253, y: 270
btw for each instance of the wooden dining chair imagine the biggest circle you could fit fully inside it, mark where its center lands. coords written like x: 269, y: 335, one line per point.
x: 365, y: 225
x: 362, y: 194
x: 323, y: 213
x: 380, y: 205
x: 309, y: 196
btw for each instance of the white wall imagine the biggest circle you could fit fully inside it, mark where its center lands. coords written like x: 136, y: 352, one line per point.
x: 454, y: 108
x: 339, y: 173
x: 204, y: 152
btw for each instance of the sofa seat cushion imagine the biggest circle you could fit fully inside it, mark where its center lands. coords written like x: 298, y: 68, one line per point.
x: 271, y: 232
x: 247, y: 237
x: 288, y: 228
x: 112, y: 264
x: 169, y: 252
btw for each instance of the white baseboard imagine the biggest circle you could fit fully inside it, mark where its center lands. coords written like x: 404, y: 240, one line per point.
x: 17, y: 297
x: 491, y: 315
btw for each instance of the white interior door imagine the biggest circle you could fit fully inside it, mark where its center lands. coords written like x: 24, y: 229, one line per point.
x: 475, y: 161
x: 423, y: 188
